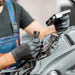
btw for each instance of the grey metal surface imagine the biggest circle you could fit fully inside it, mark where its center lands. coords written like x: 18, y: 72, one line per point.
x: 62, y: 58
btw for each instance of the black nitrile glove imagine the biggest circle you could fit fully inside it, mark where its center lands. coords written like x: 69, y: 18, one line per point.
x: 27, y: 51
x: 62, y: 24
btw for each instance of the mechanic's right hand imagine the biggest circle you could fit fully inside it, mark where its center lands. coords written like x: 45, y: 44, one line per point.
x: 62, y: 24
x: 27, y: 51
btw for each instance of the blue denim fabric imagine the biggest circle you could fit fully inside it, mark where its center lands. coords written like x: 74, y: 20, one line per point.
x: 7, y: 44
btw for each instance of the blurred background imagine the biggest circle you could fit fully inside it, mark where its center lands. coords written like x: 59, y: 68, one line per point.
x: 42, y: 10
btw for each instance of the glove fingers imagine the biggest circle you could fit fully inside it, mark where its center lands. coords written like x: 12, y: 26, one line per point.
x: 36, y: 49
x: 36, y: 41
x: 62, y: 23
x: 37, y: 45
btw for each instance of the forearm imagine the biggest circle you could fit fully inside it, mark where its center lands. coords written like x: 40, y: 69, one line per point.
x: 38, y: 27
x: 6, y: 60
x: 47, y: 31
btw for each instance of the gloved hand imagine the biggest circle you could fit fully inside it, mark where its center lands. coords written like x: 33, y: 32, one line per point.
x: 62, y: 24
x: 27, y: 50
